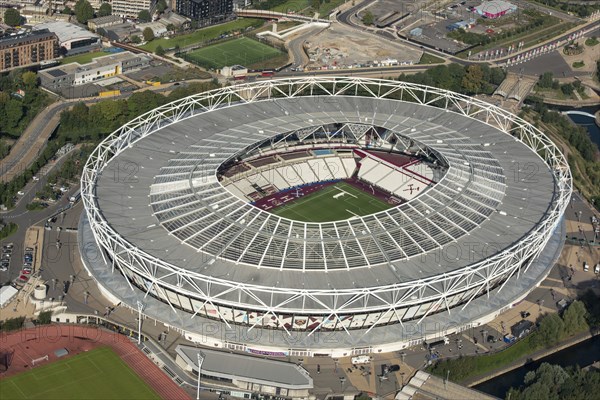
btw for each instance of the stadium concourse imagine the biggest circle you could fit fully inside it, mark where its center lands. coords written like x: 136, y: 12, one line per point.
x: 218, y: 215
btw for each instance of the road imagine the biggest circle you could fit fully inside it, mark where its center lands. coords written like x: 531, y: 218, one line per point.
x: 24, y: 219
x: 31, y: 142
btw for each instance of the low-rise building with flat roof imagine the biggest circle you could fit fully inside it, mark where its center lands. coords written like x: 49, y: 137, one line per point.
x: 72, y: 38
x: 248, y: 373
x: 75, y: 74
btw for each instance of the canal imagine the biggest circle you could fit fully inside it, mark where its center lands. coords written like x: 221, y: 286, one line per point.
x: 582, y: 354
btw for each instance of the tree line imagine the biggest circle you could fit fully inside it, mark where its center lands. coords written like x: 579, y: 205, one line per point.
x: 472, y: 79
x: 93, y: 123
x: 553, y: 382
x: 20, y: 101
x: 551, y: 328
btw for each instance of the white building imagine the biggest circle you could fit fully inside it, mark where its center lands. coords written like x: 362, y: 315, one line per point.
x: 130, y: 8
x: 75, y: 74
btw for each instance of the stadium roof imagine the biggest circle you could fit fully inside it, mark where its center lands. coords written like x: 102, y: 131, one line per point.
x: 485, y: 203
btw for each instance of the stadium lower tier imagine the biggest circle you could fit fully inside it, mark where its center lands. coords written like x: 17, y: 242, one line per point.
x: 342, y: 335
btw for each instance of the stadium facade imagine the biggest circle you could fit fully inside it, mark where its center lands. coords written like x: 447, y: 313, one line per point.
x: 180, y: 220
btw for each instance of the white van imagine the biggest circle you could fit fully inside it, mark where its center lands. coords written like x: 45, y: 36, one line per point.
x: 597, y: 269
x: 586, y: 267
x: 361, y: 360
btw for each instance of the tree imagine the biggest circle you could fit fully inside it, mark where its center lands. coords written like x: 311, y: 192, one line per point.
x: 12, y: 17
x: 161, y: 6
x: 555, y: 382
x: 30, y: 79
x: 574, y: 317
x: 546, y: 80
x: 159, y: 51
x: 315, y: 4
x: 144, y: 16
x: 368, y: 18
x: 104, y: 10
x: 136, y: 39
x: 567, y: 88
x: 551, y: 330
x: 44, y: 318
x: 473, y: 79
x: 83, y: 11
x: 67, y: 10
x: 148, y: 34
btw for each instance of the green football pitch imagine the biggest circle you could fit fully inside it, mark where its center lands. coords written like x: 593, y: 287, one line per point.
x: 333, y: 203
x: 96, y: 374
x: 242, y: 51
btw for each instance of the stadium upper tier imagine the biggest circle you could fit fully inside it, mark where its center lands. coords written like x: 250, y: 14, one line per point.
x: 158, y: 208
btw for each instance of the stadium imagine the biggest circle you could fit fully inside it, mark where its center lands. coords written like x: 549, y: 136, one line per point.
x: 323, y: 216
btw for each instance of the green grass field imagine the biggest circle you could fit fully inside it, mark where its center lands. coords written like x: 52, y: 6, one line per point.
x: 96, y: 374
x: 322, y: 206
x: 203, y: 35
x: 83, y: 58
x: 242, y: 51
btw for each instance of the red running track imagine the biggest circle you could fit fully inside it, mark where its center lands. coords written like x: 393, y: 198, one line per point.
x: 25, y: 345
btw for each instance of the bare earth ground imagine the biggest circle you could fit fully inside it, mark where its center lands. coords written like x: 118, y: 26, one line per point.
x: 337, y: 46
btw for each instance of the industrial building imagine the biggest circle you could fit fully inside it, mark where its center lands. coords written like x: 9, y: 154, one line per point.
x: 75, y: 74
x: 104, y: 22
x: 495, y: 8
x: 206, y: 12
x: 72, y: 38
x: 27, y: 49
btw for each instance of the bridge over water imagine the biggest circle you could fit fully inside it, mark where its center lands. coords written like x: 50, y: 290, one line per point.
x: 576, y: 112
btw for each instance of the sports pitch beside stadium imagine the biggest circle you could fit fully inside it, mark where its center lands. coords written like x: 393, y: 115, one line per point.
x: 242, y: 51
x: 96, y: 374
x: 336, y: 202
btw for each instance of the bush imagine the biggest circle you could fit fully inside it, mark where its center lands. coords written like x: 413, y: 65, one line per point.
x: 44, y: 318
x: 12, y: 324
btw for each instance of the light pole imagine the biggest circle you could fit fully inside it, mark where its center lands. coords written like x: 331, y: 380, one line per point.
x: 201, y: 357
x: 140, y: 309
x: 342, y: 380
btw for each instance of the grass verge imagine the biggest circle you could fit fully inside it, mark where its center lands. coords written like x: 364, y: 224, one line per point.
x: 202, y: 35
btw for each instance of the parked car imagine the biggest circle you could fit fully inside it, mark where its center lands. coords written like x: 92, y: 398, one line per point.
x: 23, y: 278
x: 25, y: 272
x: 21, y: 193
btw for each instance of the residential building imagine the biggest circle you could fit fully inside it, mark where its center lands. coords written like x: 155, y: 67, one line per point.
x: 205, y: 12
x: 27, y: 49
x: 130, y: 8
x: 75, y: 74
x: 72, y: 38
